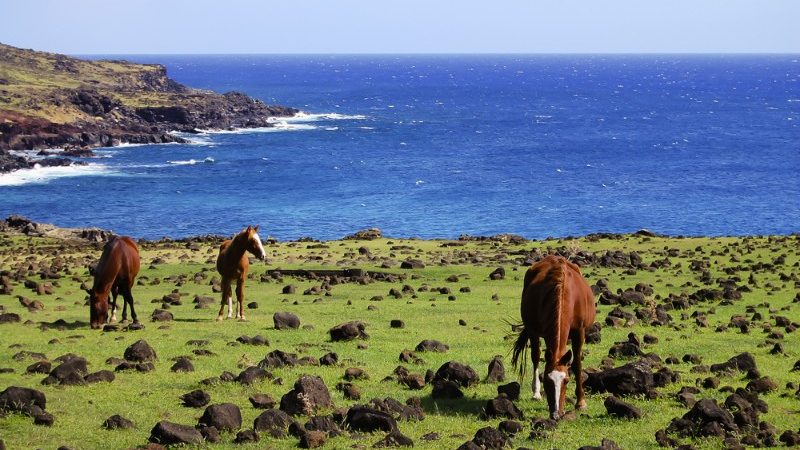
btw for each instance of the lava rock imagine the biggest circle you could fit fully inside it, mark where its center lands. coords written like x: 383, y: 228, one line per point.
x: 742, y: 363
x: 462, y: 375
x: 510, y: 390
x: 183, y: 364
x: 394, y: 439
x: 222, y: 416
x: 195, y: 399
x: 117, y: 421
x: 273, y: 421
x: 496, y: 371
x: 262, y: 401
x: 309, y: 394
x: 140, y: 351
x: 348, y: 331
x: 168, y: 433
x: 362, y: 418
x: 285, y: 321
x: 502, y: 407
x: 617, y: 408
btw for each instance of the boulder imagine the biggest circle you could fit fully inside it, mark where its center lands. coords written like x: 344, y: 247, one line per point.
x: 100, y: 376
x: 222, y: 416
x: 285, y: 321
x: 313, y: 439
x: 617, y: 408
x: 262, y: 401
x: 273, y: 421
x: 633, y: 378
x: 462, y: 375
x: 491, y: 438
x: 510, y: 390
x: 496, y: 370
x: 252, y: 374
x: 160, y: 315
x: 446, y: 389
x: 20, y: 399
x: 741, y: 362
x: 140, y: 351
x: 394, y: 439
x: 195, y: 399
x: 308, y: 395
x: 431, y: 345
x: 182, y: 364
x: 502, y: 407
x: 362, y: 418
x: 117, y: 421
x: 168, y: 433
x: 348, y: 331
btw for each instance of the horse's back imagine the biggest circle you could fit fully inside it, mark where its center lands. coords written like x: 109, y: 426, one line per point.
x: 120, y: 260
x: 551, y: 280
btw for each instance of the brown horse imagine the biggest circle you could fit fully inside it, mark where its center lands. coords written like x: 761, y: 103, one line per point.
x: 115, y: 273
x: 557, y: 305
x: 233, y: 264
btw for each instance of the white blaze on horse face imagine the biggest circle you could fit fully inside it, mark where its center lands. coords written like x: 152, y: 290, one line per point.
x: 558, y: 378
x: 537, y: 385
x: 260, y: 246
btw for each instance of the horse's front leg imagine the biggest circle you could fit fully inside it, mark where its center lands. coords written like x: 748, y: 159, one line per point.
x: 114, y: 292
x: 226, y: 299
x: 240, y: 298
x: 577, y: 366
x: 128, y: 296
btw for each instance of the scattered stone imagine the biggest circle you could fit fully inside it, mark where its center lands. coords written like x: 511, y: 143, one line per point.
x: 394, y: 439
x: 251, y: 374
x: 742, y: 363
x: 362, y: 418
x: 168, y: 433
x: 273, y: 421
x: 617, y: 408
x: 100, y: 376
x: 497, y: 372
x: 222, y: 416
x: 246, y: 436
x: 313, y: 439
x: 397, y: 323
x: 286, y: 321
x: 262, y: 401
x: 491, y: 438
x: 195, y: 399
x: 348, y: 331
x: 462, y: 375
x: 308, y: 395
x: 502, y: 407
x: 605, y: 444
x: 510, y: 390
x: 160, y: 315
x: 140, y: 351
x: 117, y: 421
x: 183, y: 364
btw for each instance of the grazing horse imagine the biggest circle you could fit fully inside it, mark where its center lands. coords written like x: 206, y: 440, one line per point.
x: 232, y: 264
x: 115, y: 273
x: 557, y: 305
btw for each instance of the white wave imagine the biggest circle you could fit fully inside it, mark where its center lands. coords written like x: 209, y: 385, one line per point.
x: 39, y: 174
x: 186, y: 162
x: 331, y: 128
x: 314, y: 117
x: 366, y: 128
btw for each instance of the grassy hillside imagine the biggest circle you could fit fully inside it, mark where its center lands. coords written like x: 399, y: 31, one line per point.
x: 764, y: 269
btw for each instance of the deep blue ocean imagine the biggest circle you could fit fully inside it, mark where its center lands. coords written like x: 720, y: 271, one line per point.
x: 437, y: 146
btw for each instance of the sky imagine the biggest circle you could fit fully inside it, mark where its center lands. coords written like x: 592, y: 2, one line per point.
x: 406, y: 26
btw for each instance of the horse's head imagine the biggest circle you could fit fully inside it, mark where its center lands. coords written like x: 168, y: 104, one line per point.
x: 98, y: 308
x: 556, y: 378
x: 254, y: 245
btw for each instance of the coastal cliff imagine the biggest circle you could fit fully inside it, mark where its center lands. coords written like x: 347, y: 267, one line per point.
x: 52, y: 101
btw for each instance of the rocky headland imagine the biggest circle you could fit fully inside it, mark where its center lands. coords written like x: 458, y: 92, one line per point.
x: 53, y: 101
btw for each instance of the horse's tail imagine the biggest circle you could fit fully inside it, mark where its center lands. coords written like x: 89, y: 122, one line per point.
x: 520, y: 352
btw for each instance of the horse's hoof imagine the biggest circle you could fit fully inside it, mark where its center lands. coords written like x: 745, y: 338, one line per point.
x: 581, y: 405
x: 242, y: 319
x: 537, y: 396
x: 219, y: 318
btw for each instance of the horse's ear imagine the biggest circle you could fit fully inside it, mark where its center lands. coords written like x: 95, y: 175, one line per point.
x: 566, y: 359
x: 255, y: 228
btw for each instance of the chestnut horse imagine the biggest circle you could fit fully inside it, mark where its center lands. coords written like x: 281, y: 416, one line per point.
x: 233, y: 264
x: 557, y: 305
x: 115, y: 273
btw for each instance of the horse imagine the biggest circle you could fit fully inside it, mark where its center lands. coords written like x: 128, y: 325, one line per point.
x: 233, y: 264
x: 557, y: 305
x: 115, y: 273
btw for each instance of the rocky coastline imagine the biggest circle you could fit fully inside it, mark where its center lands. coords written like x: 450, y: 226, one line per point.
x: 50, y: 101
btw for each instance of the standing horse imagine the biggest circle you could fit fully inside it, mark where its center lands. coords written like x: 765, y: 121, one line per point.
x: 557, y: 305
x: 115, y: 273
x: 232, y: 264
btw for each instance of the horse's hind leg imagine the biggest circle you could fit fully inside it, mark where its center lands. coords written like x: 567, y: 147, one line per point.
x: 577, y: 338
x: 536, y: 385
x: 128, y: 296
x: 240, y: 298
x: 226, y: 299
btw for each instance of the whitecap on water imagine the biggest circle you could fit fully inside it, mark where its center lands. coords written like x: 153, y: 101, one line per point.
x: 39, y: 174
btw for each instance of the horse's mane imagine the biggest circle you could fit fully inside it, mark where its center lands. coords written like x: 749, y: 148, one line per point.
x: 557, y: 276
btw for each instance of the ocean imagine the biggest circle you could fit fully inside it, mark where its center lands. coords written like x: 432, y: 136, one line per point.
x: 439, y: 146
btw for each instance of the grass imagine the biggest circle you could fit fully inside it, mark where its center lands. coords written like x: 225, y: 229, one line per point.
x: 150, y: 397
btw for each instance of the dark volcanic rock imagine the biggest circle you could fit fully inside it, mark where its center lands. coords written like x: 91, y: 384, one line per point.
x: 246, y: 436
x: 502, y: 407
x: 262, y: 401
x: 273, y: 421
x: 168, y: 433
x: 222, y: 416
x: 394, y: 439
x: 183, y: 364
x: 71, y: 372
x: 117, y: 421
x: 19, y: 399
x: 348, y: 331
x: 100, y: 376
x: 510, y: 390
x: 462, y: 375
x: 742, y: 363
x: 605, y: 444
x: 496, y: 370
x: 618, y: 408
x: 285, y: 321
x: 140, y: 351
x: 309, y: 394
x: 631, y: 379
x: 362, y: 418
x: 252, y: 374
x: 431, y: 345
x: 160, y: 315
x: 446, y: 389
x: 491, y: 438
x: 195, y: 399
x: 313, y: 439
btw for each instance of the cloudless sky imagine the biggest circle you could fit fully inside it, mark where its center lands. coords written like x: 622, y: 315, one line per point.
x: 401, y: 26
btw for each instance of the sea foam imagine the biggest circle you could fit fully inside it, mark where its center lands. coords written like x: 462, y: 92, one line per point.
x: 39, y: 174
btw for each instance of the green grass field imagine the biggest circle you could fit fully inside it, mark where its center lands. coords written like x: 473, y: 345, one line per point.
x: 147, y: 398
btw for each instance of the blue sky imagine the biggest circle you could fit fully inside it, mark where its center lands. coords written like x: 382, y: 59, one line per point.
x: 407, y: 26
